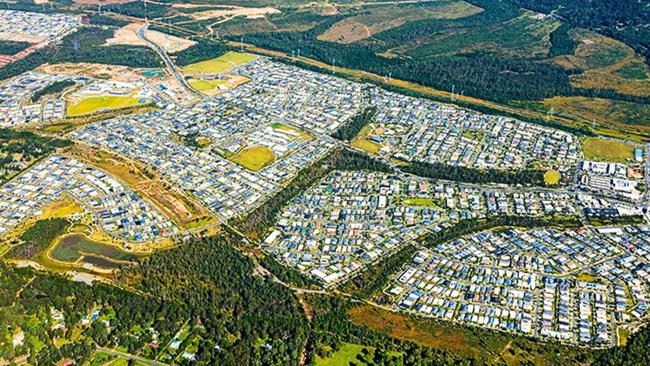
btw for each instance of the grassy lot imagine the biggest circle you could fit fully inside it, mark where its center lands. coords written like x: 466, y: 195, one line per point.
x: 205, y: 85
x: 619, y: 116
x: 552, y: 177
x: 219, y: 64
x: 600, y: 149
x: 95, y: 104
x: 524, y: 36
x: 415, y: 201
x: 73, y: 247
x: 344, y: 356
x: 254, y: 158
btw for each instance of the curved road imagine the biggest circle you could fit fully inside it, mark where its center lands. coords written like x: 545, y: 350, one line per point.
x: 168, y: 62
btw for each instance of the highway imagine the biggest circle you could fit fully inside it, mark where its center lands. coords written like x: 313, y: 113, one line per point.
x: 168, y: 61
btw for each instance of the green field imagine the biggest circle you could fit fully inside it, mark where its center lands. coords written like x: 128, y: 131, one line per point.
x: 415, y: 201
x: 216, y: 65
x: 96, y: 104
x: 254, y: 158
x: 205, y: 85
x: 599, y: 149
x: 344, y: 356
x: 73, y: 247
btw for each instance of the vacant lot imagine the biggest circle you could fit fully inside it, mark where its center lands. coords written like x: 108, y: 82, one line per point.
x: 254, y: 158
x: 606, y: 150
x: 219, y: 64
x: 100, y: 103
x: 614, y: 114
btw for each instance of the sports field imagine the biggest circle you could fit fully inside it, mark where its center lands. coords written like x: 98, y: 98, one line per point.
x: 205, y: 85
x: 254, y: 158
x: 599, y: 149
x: 95, y: 104
x: 216, y: 65
x: 552, y: 177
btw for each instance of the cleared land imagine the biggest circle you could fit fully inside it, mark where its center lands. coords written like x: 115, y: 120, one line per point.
x: 599, y: 149
x: 379, y: 19
x: 254, y: 158
x: 229, y: 12
x: 100, y: 103
x: 216, y: 65
x: 127, y: 35
x: 214, y: 87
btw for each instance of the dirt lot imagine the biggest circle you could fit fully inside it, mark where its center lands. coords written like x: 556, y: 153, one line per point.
x: 231, y: 12
x: 127, y: 36
x: 102, y: 2
x: 99, y: 71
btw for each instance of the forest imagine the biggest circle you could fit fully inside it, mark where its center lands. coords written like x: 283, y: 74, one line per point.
x: 532, y: 177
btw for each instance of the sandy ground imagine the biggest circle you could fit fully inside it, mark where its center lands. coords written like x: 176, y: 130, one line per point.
x: 102, y: 2
x: 127, y: 36
x: 20, y: 37
x: 234, y: 11
x: 100, y: 71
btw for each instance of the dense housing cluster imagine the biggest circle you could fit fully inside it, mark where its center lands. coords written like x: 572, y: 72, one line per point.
x: 420, y: 130
x: 487, y: 280
x: 317, y: 102
x: 118, y: 210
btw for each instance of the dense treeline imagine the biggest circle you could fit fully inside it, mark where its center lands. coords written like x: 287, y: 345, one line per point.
x: 352, y: 127
x: 474, y: 73
x: 55, y: 87
x: 375, y: 277
x: 85, y: 45
x: 98, y: 19
x: 634, y: 353
x: 74, y: 300
x: 286, y: 274
x: 203, y: 50
x: 38, y: 237
x: 470, y: 175
x: 331, y: 327
x: 215, y: 285
x: 561, y: 41
x: 12, y: 47
x: 138, y: 9
x: 255, y: 223
x: 471, y: 226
